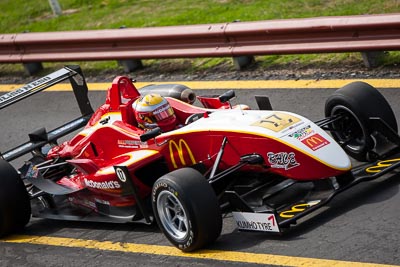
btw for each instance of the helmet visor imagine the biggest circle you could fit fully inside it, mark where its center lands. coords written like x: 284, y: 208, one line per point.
x: 163, y: 112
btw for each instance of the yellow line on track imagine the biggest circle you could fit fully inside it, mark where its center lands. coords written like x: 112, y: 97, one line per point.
x: 218, y: 255
x: 255, y: 84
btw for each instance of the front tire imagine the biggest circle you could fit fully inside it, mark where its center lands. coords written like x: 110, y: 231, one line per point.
x: 186, y: 209
x: 15, y: 209
x: 356, y: 103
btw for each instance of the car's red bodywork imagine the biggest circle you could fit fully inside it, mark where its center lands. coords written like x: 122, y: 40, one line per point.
x: 244, y: 160
x: 112, y: 138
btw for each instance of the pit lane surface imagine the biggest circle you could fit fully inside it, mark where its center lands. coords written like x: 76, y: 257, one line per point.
x: 360, y: 226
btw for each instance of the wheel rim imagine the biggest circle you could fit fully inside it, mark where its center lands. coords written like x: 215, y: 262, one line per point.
x: 172, y: 215
x: 349, y: 130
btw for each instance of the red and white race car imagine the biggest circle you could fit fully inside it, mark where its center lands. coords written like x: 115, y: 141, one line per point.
x: 269, y: 168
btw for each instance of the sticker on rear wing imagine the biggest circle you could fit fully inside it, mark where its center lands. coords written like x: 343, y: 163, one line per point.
x: 33, y: 87
x: 265, y: 222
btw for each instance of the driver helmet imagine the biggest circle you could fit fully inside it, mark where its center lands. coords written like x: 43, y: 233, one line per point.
x: 153, y: 110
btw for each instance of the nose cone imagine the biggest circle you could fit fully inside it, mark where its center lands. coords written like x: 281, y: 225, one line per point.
x: 319, y: 145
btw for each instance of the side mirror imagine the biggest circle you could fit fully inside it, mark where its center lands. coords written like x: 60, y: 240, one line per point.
x: 263, y: 102
x: 227, y: 96
x: 150, y: 134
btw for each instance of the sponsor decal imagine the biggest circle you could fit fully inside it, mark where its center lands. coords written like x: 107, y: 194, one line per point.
x: 84, y: 202
x: 161, y: 109
x: 382, y: 165
x: 24, y: 89
x: 315, y: 142
x: 282, y: 160
x: 105, y: 120
x: 298, y: 208
x: 131, y: 144
x: 67, y: 127
x: 102, y: 185
x: 302, y: 133
x: 180, y: 147
x: 31, y: 86
x: 264, y: 222
x: 32, y: 172
x: 21, y: 148
x: 277, y: 121
x: 121, y: 175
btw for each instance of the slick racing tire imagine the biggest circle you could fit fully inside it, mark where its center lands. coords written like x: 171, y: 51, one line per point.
x: 15, y: 209
x: 186, y: 209
x: 357, y: 102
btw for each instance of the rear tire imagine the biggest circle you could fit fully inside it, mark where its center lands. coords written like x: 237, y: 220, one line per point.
x: 186, y: 209
x: 357, y: 102
x: 15, y: 209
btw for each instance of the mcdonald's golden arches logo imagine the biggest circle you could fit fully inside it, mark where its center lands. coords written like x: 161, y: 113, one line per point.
x: 382, y: 165
x: 173, y: 146
x: 315, y: 142
x: 298, y: 208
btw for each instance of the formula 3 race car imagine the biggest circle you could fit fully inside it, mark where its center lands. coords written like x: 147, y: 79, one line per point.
x: 268, y: 168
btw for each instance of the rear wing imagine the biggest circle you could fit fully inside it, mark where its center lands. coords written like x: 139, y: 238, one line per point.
x: 41, y: 137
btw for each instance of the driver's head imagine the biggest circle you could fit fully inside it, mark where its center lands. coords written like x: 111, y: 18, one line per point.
x: 152, y: 111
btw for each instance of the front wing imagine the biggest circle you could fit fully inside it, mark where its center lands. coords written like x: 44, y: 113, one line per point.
x: 277, y: 216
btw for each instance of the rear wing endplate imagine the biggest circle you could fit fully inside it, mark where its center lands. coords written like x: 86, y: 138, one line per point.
x: 77, y: 80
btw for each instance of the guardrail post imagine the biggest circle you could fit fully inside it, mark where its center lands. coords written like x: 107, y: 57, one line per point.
x: 33, y: 67
x: 242, y: 62
x: 131, y: 64
x: 55, y: 6
x: 372, y: 59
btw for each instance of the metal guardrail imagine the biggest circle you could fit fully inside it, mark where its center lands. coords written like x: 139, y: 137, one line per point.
x: 290, y: 36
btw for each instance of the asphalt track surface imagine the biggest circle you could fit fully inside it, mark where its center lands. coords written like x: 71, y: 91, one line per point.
x: 359, y: 227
